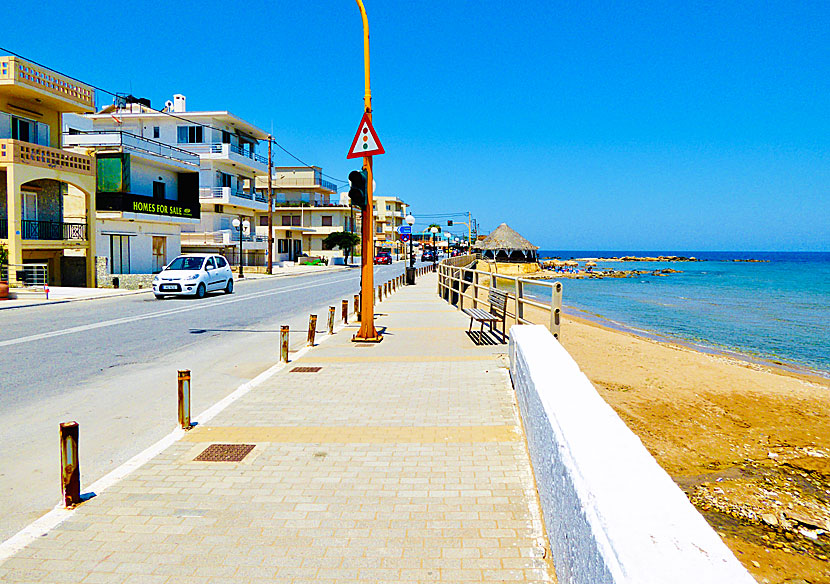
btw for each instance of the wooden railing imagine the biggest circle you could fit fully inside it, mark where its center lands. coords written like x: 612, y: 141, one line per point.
x: 45, y: 156
x: 465, y: 287
x: 26, y: 73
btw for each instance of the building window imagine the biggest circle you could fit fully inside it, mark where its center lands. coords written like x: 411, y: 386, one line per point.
x: 189, y: 134
x: 388, y: 207
x: 119, y: 254
x: 226, y: 137
x: 282, y: 245
x: 159, y: 253
x: 379, y: 228
x: 326, y: 220
x: 295, y: 220
x: 158, y: 190
x: 286, y: 220
x: 263, y: 220
x: 224, y: 179
x: 156, y: 132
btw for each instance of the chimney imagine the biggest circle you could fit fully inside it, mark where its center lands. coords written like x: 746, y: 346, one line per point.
x: 178, y: 103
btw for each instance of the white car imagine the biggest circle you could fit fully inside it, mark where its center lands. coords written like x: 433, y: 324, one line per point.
x: 194, y: 275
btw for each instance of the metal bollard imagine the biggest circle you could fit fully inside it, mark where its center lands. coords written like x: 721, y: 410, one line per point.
x: 344, y: 311
x: 312, y: 329
x: 555, y: 308
x: 331, y: 320
x: 70, y: 469
x: 284, y: 343
x: 184, y: 399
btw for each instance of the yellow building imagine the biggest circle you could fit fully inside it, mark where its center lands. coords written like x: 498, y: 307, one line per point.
x: 39, y: 222
x: 390, y: 213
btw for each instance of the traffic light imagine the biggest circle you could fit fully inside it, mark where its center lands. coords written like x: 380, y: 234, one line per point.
x: 449, y: 223
x: 357, y: 188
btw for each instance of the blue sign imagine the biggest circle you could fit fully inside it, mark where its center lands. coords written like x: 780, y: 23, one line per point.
x: 404, y: 229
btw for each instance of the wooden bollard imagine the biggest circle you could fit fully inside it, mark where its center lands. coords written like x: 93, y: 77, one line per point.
x: 184, y: 398
x: 284, y: 343
x: 380, y: 293
x: 70, y: 469
x: 344, y: 311
x: 357, y: 304
x: 331, y: 320
x: 312, y: 328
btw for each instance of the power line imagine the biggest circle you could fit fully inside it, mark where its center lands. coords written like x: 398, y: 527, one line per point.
x: 195, y: 123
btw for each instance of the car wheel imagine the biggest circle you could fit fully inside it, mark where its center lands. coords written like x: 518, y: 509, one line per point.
x: 200, y: 291
x: 229, y: 287
x: 159, y: 296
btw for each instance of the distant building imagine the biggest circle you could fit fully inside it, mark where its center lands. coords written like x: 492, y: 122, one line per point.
x: 390, y: 213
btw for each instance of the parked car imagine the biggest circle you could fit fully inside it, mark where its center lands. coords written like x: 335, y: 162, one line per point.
x: 383, y: 257
x: 194, y: 275
x: 428, y: 256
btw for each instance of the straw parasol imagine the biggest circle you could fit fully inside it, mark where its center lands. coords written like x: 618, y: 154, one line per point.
x: 505, y: 244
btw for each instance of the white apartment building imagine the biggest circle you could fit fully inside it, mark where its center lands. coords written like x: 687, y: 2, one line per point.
x: 390, y: 213
x: 146, y: 191
x: 228, y: 167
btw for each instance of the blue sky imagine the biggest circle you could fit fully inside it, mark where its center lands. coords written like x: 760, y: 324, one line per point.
x: 654, y: 126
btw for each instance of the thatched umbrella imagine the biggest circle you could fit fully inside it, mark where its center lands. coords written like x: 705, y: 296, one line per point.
x: 505, y: 244
x: 590, y: 264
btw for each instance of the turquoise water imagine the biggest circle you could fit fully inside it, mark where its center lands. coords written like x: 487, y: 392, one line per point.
x: 778, y: 310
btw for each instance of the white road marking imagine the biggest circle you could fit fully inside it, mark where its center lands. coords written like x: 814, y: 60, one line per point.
x: 59, y: 514
x: 161, y: 313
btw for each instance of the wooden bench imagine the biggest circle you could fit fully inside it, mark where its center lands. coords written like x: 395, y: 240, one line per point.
x: 498, y: 310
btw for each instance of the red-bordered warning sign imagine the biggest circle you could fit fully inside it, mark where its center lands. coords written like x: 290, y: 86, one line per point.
x: 366, y: 142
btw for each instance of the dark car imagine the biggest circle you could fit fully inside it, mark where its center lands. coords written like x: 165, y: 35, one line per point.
x: 428, y: 256
x: 383, y: 257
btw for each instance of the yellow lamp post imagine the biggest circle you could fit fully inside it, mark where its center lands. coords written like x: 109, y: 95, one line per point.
x: 367, y: 332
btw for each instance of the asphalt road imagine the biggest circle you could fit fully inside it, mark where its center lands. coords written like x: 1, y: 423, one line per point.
x: 110, y: 364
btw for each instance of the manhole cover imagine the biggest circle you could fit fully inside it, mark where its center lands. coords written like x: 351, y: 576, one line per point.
x: 305, y: 369
x: 225, y: 452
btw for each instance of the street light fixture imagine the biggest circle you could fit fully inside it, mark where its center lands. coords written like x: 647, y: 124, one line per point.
x: 410, y: 271
x: 242, y: 225
x: 434, y: 230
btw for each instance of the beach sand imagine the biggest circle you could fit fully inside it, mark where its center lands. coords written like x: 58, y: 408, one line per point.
x: 749, y: 443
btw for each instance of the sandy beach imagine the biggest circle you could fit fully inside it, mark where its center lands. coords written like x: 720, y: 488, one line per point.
x: 749, y: 443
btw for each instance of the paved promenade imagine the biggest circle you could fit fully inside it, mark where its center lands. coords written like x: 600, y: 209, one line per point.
x: 398, y: 462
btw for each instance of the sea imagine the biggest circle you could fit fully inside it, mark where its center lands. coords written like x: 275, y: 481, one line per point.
x: 776, y: 311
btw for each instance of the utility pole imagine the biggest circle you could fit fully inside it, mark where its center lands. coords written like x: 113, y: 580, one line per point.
x: 270, y: 213
x: 367, y: 332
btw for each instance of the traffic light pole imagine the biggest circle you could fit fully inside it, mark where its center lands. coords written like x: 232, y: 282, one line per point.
x: 367, y: 332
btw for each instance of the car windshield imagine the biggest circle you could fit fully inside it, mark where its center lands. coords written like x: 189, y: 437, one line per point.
x: 186, y: 263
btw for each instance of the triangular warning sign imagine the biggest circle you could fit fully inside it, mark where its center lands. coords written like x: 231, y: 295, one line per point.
x: 366, y: 142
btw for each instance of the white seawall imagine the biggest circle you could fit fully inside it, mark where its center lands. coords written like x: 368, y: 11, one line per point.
x: 613, y: 515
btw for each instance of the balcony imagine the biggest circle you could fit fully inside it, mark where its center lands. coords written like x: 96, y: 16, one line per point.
x: 304, y: 182
x: 229, y: 152
x: 48, y: 87
x: 132, y: 142
x: 15, y: 151
x: 221, y: 237
x: 52, y: 230
x: 229, y: 196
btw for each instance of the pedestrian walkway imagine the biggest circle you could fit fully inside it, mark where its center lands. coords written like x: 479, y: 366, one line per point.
x: 402, y: 461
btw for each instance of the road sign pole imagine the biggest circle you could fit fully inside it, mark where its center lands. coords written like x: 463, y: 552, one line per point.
x: 367, y: 332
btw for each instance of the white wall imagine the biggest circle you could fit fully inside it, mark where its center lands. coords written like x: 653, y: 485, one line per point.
x: 143, y: 174
x: 613, y: 515
x: 141, y: 241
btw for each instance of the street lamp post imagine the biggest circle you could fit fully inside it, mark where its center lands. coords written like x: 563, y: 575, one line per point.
x: 410, y: 271
x: 434, y: 230
x: 242, y: 225
x: 367, y: 332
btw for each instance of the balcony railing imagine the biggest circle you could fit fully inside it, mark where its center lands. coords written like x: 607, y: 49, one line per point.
x: 52, y: 230
x: 261, y: 197
x: 128, y: 140
x: 223, y: 193
x: 225, y: 236
x: 31, y: 75
x: 36, y: 155
x: 304, y: 182
x: 221, y: 148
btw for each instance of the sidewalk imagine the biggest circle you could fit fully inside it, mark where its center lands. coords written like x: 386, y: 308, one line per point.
x: 397, y: 462
x: 61, y: 295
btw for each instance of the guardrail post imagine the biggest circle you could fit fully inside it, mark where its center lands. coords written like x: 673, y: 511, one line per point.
x: 184, y: 398
x: 284, y: 343
x: 520, y: 305
x: 344, y: 311
x: 331, y: 320
x: 70, y: 468
x: 312, y: 328
x: 555, y: 308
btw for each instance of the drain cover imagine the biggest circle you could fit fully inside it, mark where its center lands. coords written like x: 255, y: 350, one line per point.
x: 305, y: 370
x: 225, y: 452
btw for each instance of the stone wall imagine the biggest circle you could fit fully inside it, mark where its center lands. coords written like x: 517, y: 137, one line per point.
x: 104, y: 279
